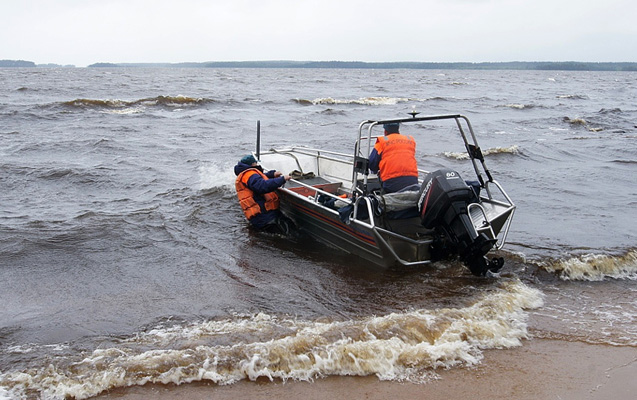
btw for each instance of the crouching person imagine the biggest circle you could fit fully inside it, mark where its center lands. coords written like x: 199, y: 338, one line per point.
x: 256, y: 191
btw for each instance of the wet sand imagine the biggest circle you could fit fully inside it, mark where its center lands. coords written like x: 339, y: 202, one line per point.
x: 540, y: 369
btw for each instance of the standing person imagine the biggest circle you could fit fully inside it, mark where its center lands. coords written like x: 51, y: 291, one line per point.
x: 394, y: 159
x: 256, y: 191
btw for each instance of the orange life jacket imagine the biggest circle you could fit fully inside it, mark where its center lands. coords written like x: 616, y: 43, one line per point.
x: 246, y: 196
x: 398, y: 156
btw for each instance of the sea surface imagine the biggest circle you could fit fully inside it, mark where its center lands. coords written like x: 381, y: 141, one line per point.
x: 125, y: 259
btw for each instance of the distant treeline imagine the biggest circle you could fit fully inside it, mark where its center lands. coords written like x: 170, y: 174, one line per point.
x: 28, y: 64
x: 16, y: 63
x: 515, y: 65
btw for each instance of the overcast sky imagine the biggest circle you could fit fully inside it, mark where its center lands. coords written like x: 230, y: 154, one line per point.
x: 83, y: 32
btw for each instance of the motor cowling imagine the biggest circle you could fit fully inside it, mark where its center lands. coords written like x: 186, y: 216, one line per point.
x: 442, y: 205
x: 441, y: 190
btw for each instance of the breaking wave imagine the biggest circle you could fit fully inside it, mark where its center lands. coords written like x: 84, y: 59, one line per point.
x: 401, y: 346
x: 520, y: 106
x: 573, y: 96
x: 495, y: 150
x: 367, y: 101
x: 576, y: 121
x: 123, y: 106
x: 596, y: 267
x: 582, y: 122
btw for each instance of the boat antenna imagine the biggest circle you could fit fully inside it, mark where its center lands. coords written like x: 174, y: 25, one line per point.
x: 258, y: 140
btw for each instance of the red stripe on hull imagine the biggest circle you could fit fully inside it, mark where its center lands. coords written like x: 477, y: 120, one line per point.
x: 337, y: 224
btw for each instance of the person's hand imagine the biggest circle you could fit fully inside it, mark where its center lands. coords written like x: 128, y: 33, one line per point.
x: 277, y: 174
x: 287, y: 177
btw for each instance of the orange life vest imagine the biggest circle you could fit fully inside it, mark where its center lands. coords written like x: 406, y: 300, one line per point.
x: 246, y: 196
x: 398, y: 156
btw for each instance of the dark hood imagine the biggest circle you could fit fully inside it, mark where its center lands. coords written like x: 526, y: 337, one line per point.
x: 240, y: 167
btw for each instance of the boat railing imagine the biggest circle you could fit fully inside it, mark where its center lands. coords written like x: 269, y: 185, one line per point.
x: 381, y: 232
x: 324, y: 154
x: 289, y: 153
x: 314, y: 153
x: 463, y: 127
x: 318, y: 191
x: 508, y: 203
x: 500, y: 189
x: 355, y: 203
x: 370, y: 211
x: 414, y: 242
x: 485, y: 222
x: 370, y: 124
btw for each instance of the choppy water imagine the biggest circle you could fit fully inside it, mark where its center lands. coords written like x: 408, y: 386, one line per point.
x: 124, y: 258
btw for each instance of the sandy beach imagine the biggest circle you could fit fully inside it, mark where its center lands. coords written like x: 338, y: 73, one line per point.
x: 541, y: 369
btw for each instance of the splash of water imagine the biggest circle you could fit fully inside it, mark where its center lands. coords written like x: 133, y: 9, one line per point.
x: 401, y: 346
x: 596, y: 267
x: 515, y: 149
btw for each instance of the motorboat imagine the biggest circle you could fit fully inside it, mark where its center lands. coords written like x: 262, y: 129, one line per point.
x: 334, y: 198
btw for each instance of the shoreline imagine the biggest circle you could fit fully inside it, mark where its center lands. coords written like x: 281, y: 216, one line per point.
x: 540, y: 369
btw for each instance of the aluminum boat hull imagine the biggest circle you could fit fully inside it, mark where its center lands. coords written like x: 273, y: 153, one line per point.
x: 351, y: 221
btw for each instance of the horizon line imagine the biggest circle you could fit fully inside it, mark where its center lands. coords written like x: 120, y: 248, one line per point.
x: 533, y: 65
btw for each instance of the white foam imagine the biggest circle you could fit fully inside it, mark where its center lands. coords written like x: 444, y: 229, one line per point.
x: 402, y: 346
x: 367, y: 101
x: 213, y: 175
x: 514, y: 149
x: 30, y: 347
x: 596, y: 267
x: 517, y: 106
x: 4, y: 394
x: 125, y: 111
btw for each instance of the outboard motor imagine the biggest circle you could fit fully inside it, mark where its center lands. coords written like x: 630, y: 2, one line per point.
x: 442, y: 204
